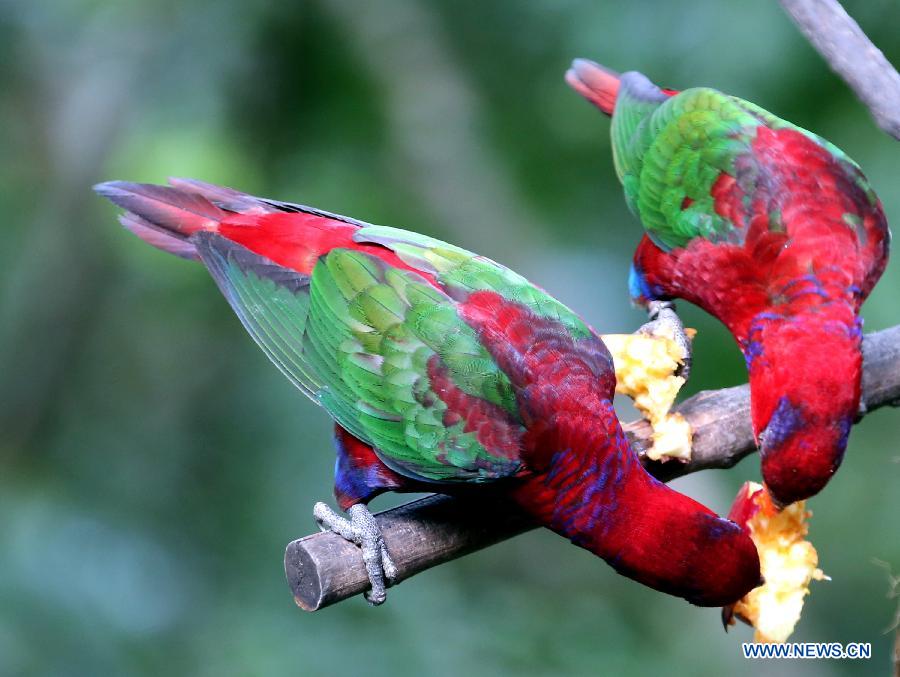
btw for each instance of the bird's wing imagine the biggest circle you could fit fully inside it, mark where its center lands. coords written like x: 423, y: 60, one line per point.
x: 703, y: 164
x: 385, y: 352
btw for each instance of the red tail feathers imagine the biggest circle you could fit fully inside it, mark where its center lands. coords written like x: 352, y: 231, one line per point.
x: 167, y: 216
x: 598, y: 84
x: 163, y: 216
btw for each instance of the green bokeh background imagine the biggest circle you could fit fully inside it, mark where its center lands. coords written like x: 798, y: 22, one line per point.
x: 153, y: 464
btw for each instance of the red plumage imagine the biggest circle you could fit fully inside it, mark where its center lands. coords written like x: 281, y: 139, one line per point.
x: 587, y: 484
x: 791, y: 298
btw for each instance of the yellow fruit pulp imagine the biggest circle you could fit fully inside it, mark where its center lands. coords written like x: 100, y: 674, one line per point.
x: 788, y: 562
x: 645, y: 372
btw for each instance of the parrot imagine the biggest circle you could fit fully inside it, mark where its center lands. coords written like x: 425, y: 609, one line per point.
x: 769, y: 228
x: 442, y: 371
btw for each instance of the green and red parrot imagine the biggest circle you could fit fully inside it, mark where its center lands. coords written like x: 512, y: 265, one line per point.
x: 766, y: 226
x: 443, y: 371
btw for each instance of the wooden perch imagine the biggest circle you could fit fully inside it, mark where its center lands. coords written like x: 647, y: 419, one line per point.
x: 850, y: 53
x: 323, y: 568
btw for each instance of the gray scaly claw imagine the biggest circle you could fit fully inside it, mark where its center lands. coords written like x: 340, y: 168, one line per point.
x: 663, y: 316
x: 363, y: 530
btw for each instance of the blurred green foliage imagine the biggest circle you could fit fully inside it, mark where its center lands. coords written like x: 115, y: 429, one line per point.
x: 153, y: 465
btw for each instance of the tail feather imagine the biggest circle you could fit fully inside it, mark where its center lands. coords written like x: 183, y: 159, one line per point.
x: 170, y: 217
x: 233, y: 200
x: 229, y: 199
x: 601, y: 85
x: 170, y: 209
x: 162, y: 239
x: 598, y: 84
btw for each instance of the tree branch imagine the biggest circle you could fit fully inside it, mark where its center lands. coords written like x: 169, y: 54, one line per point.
x: 323, y: 568
x: 850, y: 53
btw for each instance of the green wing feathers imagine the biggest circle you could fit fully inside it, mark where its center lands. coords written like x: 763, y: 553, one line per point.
x: 272, y: 303
x: 670, y: 151
x: 461, y: 272
x: 358, y: 337
x: 669, y: 156
x: 384, y: 350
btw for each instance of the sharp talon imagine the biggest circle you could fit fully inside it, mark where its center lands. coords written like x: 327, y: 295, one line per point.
x: 727, y: 617
x: 684, y: 369
x: 375, y: 598
x: 363, y: 530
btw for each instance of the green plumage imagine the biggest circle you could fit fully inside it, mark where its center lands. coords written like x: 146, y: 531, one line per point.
x: 461, y: 272
x: 670, y: 151
x: 358, y: 335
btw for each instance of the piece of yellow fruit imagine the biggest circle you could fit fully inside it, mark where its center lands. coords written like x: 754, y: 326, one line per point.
x: 645, y: 372
x: 788, y: 562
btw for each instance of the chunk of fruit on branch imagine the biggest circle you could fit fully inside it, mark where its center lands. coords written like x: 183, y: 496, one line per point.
x: 645, y: 371
x: 788, y: 563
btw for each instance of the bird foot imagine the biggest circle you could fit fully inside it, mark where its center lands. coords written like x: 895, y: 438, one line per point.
x: 363, y: 530
x: 664, y: 321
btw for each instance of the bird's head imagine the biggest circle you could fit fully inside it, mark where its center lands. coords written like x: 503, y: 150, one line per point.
x: 694, y: 554
x: 732, y: 572
x: 801, y: 451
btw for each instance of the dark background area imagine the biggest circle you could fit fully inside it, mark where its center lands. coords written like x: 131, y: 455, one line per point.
x: 153, y: 465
